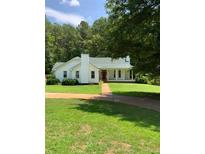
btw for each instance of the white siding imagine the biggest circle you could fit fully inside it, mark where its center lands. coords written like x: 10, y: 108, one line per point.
x: 77, y: 68
x: 59, y: 72
x: 71, y: 73
x: 67, y: 67
x: 96, y: 70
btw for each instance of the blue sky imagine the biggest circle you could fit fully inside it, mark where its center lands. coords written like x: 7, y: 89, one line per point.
x: 74, y: 11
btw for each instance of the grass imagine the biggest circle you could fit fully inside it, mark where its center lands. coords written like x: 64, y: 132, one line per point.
x: 135, y: 89
x: 81, y: 89
x: 78, y: 126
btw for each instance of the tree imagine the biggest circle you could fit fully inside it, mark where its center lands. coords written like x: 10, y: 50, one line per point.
x: 62, y: 42
x: 97, y: 44
x: 134, y: 29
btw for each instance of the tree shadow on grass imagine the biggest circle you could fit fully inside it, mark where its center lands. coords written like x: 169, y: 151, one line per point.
x: 139, y: 116
x: 139, y: 94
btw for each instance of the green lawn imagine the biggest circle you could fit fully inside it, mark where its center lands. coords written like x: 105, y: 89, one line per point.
x: 77, y: 126
x: 134, y: 89
x: 82, y: 89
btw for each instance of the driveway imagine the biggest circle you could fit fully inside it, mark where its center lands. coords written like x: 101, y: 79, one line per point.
x: 141, y: 102
x: 107, y: 95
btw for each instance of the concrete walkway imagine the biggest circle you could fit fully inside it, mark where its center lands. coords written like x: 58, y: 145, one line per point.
x: 107, y: 95
x: 106, y: 89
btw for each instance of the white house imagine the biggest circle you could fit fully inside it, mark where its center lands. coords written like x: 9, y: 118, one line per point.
x: 91, y: 70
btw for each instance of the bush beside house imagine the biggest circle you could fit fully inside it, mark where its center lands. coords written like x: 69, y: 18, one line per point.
x: 66, y: 82
x: 51, y: 80
x: 147, y: 79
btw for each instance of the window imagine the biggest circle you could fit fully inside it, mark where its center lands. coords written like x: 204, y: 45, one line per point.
x: 65, y: 74
x: 119, y: 74
x: 130, y: 74
x: 92, y: 74
x: 114, y: 73
x: 77, y: 74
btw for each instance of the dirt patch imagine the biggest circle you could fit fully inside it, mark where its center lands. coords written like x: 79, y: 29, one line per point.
x: 85, y: 129
x: 121, y: 144
x: 100, y: 142
x: 148, y: 146
x: 79, y: 147
x: 118, y: 147
x: 109, y: 152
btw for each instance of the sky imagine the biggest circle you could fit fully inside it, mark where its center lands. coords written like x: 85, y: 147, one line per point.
x: 74, y: 11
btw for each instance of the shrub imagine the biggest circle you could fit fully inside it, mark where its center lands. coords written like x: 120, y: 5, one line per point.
x: 66, y: 82
x: 70, y: 82
x: 147, y: 79
x: 52, y: 81
x: 50, y: 76
x: 76, y: 82
x: 156, y: 81
x: 141, y: 78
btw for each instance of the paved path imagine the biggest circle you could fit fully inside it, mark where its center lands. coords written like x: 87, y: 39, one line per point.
x: 106, y: 89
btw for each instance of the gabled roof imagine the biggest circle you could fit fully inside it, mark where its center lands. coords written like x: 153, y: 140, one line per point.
x: 59, y: 64
x: 101, y: 63
x: 108, y: 62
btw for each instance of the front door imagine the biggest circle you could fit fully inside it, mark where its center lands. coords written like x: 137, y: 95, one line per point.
x: 104, y: 75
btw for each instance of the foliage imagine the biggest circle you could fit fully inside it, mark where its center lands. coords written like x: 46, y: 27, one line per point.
x: 62, y: 42
x: 141, y: 78
x: 134, y: 29
x: 52, y: 81
x: 91, y: 126
x: 50, y: 76
x: 67, y: 82
x: 146, y: 78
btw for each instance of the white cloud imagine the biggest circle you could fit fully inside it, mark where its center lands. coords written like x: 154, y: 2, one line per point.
x: 61, y: 17
x: 72, y: 3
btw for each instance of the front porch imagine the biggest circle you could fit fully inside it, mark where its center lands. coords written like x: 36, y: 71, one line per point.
x: 116, y: 75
